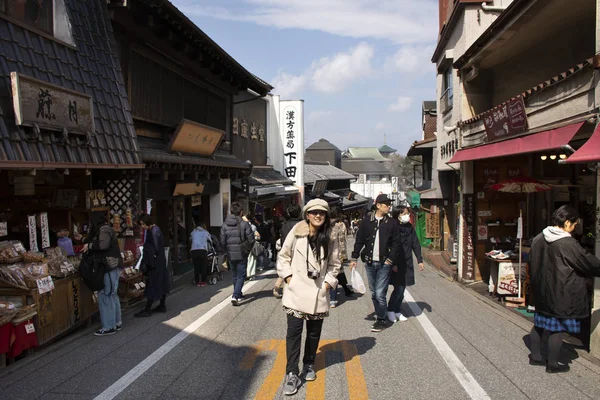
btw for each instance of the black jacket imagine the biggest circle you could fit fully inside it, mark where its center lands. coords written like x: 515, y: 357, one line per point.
x: 389, y: 239
x: 559, y: 268
x: 287, y: 228
x: 406, y: 268
x: 231, y: 239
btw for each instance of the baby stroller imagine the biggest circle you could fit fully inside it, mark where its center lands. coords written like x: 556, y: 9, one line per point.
x: 214, y: 260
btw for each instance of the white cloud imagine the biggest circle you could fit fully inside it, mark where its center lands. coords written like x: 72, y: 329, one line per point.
x: 410, y: 60
x: 328, y: 74
x: 333, y: 74
x: 402, y: 104
x: 401, y: 21
x: 286, y: 85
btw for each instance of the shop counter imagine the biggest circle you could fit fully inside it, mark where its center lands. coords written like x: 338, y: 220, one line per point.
x: 68, y: 306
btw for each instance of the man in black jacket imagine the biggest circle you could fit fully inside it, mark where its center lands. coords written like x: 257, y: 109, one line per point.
x: 234, y: 232
x: 292, y: 218
x: 378, y: 245
x: 559, y: 268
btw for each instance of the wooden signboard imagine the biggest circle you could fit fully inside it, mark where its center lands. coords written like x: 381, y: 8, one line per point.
x: 468, y: 213
x: 192, y: 137
x: 49, y: 106
x: 188, y: 189
x: 505, y: 120
x: 432, y: 225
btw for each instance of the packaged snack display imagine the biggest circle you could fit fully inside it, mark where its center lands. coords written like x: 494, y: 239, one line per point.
x: 10, y: 252
x: 8, y: 311
x: 34, y: 257
x: 12, y: 275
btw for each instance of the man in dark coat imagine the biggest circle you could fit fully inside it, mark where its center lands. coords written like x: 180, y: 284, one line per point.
x: 293, y: 216
x: 378, y: 245
x: 403, y: 273
x: 234, y: 232
x: 559, y: 268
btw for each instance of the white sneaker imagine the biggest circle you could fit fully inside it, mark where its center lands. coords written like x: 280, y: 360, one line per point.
x: 401, y: 317
x: 391, y: 316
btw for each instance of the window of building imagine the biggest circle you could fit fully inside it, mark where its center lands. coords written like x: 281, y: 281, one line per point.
x: 46, y: 16
x: 447, y: 91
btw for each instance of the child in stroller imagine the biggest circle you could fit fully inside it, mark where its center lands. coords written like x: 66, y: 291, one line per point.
x: 215, y: 259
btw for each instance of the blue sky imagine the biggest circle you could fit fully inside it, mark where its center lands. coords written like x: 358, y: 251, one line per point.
x: 361, y: 66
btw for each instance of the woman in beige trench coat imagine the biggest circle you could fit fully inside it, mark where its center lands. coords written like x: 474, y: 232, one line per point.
x: 309, y: 263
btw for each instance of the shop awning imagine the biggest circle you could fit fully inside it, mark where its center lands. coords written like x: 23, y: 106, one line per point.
x: 548, y: 140
x: 589, y: 152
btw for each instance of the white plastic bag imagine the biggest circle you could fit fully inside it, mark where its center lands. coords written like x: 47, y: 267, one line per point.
x: 358, y: 285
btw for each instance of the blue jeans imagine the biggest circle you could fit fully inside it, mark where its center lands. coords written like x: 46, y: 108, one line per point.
x: 378, y: 275
x: 332, y: 294
x: 396, y: 299
x: 108, y: 301
x: 238, y: 270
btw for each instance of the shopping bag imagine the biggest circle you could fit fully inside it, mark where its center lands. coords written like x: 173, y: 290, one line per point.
x: 358, y: 285
x: 251, y: 268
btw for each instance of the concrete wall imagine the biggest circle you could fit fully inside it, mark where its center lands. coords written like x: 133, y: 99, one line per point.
x: 220, y: 203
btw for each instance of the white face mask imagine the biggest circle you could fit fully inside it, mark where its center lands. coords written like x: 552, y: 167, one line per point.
x: 405, y: 219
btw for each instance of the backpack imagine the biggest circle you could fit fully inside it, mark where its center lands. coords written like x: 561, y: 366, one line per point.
x: 246, y: 246
x: 92, y: 270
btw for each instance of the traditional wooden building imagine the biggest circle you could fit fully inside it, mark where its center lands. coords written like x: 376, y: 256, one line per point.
x: 181, y: 86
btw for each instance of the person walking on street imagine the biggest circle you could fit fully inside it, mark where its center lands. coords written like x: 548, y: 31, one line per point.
x: 293, y: 215
x: 339, y: 232
x: 237, y: 239
x: 559, y: 268
x: 154, y: 268
x: 309, y: 263
x: 378, y: 246
x: 403, y: 273
x: 264, y: 230
x: 200, y: 239
x: 101, y: 241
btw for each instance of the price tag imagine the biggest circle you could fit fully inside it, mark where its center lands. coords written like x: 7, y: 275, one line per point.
x: 137, y: 286
x: 29, y: 328
x: 45, y: 285
x: 142, y: 285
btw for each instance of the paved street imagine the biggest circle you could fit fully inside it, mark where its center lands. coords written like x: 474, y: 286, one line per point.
x: 455, y: 345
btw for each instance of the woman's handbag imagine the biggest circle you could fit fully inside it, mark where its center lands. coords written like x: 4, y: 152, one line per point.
x: 358, y: 285
x: 258, y: 249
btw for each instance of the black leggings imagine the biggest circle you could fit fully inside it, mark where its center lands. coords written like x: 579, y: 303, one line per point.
x: 199, y: 257
x: 555, y: 340
x: 294, y: 338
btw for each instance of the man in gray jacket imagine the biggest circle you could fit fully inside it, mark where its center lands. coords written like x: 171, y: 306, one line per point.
x: 234, y: 232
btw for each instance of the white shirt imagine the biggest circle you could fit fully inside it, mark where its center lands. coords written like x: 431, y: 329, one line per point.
x: 376, y: 243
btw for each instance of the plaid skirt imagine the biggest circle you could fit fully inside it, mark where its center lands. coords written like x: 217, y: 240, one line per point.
x: 554, y: 324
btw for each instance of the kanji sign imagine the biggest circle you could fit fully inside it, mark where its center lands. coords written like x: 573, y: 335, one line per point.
x: 468, y: 212
x: 50, y: 106
x: 292, y: 140
x: 192, y: 137
x: 45, y: 285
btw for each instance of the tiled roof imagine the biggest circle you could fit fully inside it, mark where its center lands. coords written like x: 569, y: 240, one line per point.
x: 154, y: 151
x: 387, y: 149
x: 322, y: 144
x: 313, y: 173
x: 357, y: 167
x: 358, y: 202
x: 92, y: 68
x: 267, y: 176
x: 371, y: 153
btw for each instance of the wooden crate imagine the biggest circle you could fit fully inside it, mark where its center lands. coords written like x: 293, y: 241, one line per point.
x: 67, y: 307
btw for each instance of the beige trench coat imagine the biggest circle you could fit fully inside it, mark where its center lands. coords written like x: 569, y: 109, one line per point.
x: 304, y: 294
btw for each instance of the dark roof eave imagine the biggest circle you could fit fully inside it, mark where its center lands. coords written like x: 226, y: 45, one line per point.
x: 255, y: 83
x: 488, y: 35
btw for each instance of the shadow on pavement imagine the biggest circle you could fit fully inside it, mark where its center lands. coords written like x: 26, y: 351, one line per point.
x: 568, y: 352
x: 338, y: 353
x: 420, y: 304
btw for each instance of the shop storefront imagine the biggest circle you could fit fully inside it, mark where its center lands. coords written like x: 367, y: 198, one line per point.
x: 68, y: 149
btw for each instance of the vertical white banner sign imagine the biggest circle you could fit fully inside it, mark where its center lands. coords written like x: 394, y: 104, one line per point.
x: 45, y: 230
x: 292, y: 137
x: 32, y: 233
